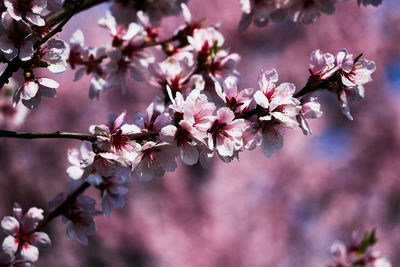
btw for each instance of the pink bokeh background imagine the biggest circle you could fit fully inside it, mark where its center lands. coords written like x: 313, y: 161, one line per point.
x: 281, y: 211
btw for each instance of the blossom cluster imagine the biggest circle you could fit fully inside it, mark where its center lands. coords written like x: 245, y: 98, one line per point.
x: 260, y: 12
x: 359, y: 252
x: 194, y: 125
x: 202, y: 112
x: 193, y: 55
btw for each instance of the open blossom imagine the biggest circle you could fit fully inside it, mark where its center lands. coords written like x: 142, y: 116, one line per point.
x: 225, y: 133
x: 307, y: 12
x: 223, y: 64
x: 22, y: 235
x: 115, y: 138
x: 353, y: 76
x: 10, y: 117
x: 76, y: 44
x: 14, y: 39
x: 55, y: 53
x: 203, y: 40
x: 186, y: 138
x: 80, y: 160
x: 120, y: 32
x: 112, y: 188
x: 32, y: 91
x: 117, y: 70
x: 154, y: 159
x: 278, y: 111
x: 173, y: 72
x: 78, y: 214
x: 310, y: 109
x: 322, y: 65
x: 29, y: 9
x: 235, y: 99
x: 359, y: 253
x: 155, y: 117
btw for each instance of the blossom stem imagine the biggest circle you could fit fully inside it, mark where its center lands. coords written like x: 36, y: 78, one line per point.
x: 166, y: 41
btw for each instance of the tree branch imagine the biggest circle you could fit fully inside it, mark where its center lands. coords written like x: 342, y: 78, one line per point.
x: 68, y: 135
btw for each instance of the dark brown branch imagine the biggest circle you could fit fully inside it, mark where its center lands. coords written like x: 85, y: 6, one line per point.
x: 68, y: 135
x: 58, y: 134
x: 55, y: 18
x: 68, y: 15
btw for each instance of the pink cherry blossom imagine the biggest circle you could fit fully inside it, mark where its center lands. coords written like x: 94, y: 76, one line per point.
x: 235, y: 99
x: 155, y: 117
x: 55, y: 53
x: 80, y: 159
x: 22, y: 235
x: 29, y: 9
x: 14, y: 39
x: 112, y: 188
x: 308, y: 11
x: 278, y: 110
x: 120, y: 32
x: 310, y: 109
x: 78, y: 215
x: 115, y: 138
x: 322, y: 64
x: 225, y: 133
x: 173, y: 72
x: 198, y: 111
x: 154, y: 159
x: 32, y: 90
x: 203, y: 40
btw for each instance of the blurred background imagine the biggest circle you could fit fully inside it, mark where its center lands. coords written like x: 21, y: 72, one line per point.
x: 281, y: 211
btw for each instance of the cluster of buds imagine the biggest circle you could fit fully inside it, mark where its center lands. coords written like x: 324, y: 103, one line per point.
x: 299, y: 11
x: 359, y: 253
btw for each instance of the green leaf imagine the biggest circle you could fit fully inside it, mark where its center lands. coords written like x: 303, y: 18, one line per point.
x: 368, y: 241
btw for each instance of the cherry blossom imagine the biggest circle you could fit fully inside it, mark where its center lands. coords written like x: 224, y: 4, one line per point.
x: 310, y: 109
x: 79, y: 214
x: 32, y: 90
x: 14, y: 39
x: 322, y: 65
x: 359, y: 252
x: 112, y: 188
x: 155, y: 117
x: 235, y: 99
x: 154, y: 159
x: 115, y: 138
x: 278, y: 109
x: 55, y: 53
x: 27, y: 9
x: 226, y: 133
x: 80, y: 160
x: 22, y: 235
